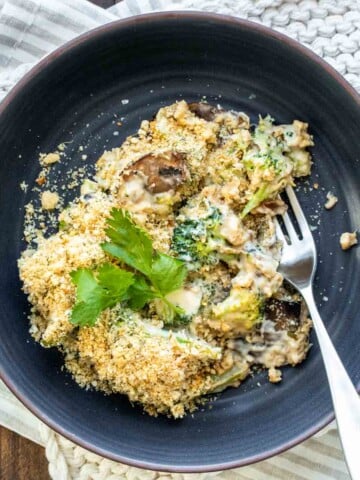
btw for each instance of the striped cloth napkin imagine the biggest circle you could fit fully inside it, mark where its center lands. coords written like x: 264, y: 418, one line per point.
x: 29, y: 29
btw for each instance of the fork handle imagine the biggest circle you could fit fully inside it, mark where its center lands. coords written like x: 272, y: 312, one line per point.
x: 345, y: 398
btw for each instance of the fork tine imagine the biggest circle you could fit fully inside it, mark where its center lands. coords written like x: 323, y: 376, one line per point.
x: 290, y: 228
x: 298, y: 212
x: 279, y: 233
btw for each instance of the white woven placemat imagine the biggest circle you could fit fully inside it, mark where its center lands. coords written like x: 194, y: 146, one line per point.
x: 29, y: 29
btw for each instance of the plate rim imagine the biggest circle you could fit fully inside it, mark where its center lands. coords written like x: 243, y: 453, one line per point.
x: 6, y: 103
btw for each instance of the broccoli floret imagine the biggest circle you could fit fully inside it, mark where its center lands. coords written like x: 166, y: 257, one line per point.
x: 169, y: 313
x: 185, y: 340
x: 230, y: 378
x: 259, y: 196
x: 191, y: 239
x: 268, y: 167
x: 238, y: 313
x: 275, y: 156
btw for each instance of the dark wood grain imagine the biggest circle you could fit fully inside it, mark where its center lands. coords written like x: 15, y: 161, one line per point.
x: 21, y: 459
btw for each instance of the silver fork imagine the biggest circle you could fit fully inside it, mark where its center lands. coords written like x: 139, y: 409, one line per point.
x: 298, y: 266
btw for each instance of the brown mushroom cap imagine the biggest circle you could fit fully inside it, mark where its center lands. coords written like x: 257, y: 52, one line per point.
x: 286, y: 315
x: 208, y: 112
x: 204, y: 110
x: 162, y: 171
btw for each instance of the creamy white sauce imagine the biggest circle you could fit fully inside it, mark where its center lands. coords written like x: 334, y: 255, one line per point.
x: 189, y: 299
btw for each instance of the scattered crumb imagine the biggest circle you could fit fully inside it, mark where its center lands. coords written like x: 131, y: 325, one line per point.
x: 347, y: 240
x: 84, y: 157
x: 124, y: 101
x: 81, y: 148
x: 41, y: 180
x: 119, y: 124
x: 331, y: 201
x: 316, y: 186
x: 49, y: 200
x: 49, y: 159
x: 326, y: 299
x: 275, y: 375
x: 61, y: 147
x: 29, y: 209
x: 75, y: 178
x: 29, y: 228
x: 24, y: 186
x: 115, y: 134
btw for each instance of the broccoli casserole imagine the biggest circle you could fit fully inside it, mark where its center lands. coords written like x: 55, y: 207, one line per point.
x: 161, y: 282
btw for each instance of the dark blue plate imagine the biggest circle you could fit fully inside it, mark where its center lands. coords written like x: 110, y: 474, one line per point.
x: 75, y: 94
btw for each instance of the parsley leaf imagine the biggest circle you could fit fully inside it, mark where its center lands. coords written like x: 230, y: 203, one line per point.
x: 167, y: 273
x: 95, y: 294
x: 115, y: 280
x: 130, y: 244
x: 140, y: 293
x: 156, y: 274
x: 86, y: 313
x: 86, y: 283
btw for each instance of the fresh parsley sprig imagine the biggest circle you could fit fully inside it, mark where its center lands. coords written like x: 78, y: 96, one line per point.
x: 97, y: 291
x: 155, y: 274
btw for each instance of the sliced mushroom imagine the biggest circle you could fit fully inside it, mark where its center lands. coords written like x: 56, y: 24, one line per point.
x: 204, y: 110
x: 161, y: 171
x: 285, y: 315
x: 272, y: 207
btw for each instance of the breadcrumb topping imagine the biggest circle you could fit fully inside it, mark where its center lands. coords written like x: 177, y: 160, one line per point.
x: 348, y: 240
x: 49, y: 200
x: 332, y: 200
x: 50, y: 158
x: 204, y: 186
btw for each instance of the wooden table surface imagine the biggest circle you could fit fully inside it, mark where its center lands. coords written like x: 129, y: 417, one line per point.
x: 21, y: 459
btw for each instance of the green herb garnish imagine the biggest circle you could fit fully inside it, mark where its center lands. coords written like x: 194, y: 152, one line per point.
x: 97, y: 291
x: 155, y: 274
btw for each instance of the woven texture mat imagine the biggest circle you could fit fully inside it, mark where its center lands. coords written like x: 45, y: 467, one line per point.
x: 29, y: 30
